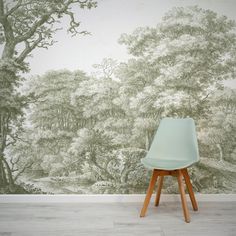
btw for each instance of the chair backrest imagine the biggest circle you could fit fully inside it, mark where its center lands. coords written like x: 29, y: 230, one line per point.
x: 175, y: 139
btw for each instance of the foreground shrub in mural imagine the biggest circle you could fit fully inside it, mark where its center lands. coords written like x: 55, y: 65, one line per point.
x: 87, y: 134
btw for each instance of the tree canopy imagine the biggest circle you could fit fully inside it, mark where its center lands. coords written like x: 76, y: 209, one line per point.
x: 88, y: 133
x: 32, y: 24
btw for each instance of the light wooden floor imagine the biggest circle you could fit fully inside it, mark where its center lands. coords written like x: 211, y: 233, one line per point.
x: 80, y: 219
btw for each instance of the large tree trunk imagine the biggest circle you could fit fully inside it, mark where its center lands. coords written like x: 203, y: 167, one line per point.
x: 6, y: 178
x: 3, y: 178
x: 3, y: 135
x: 8, y: 81
x: 7, y: 109
x: 11, y: 183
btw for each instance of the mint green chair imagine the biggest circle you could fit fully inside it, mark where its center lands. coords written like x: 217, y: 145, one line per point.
x: 174, y: 148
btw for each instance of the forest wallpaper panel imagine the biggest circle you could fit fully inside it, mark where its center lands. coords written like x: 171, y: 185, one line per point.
x: 81, y: 131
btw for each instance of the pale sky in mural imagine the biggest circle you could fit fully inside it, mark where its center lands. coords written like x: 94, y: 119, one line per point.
x: 106, y: 23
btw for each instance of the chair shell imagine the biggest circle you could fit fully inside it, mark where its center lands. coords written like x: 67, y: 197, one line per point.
x: 174, y: 145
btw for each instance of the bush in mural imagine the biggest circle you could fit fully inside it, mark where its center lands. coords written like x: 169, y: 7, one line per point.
x: 73, y: 133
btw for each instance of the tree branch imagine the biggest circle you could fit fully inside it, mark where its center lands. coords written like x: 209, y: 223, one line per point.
x: 13, y: 9
x: 33, y: 29
x: 9, y: 47
x: 41, y: 21
x: 24, y: 168
x: 13, y: 163
x: 29, y: 48
x: 73, y: 24
x: 1, y: 10
x: 25, y: 23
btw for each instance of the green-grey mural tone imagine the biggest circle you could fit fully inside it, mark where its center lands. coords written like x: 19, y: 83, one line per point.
x: 77, y: 131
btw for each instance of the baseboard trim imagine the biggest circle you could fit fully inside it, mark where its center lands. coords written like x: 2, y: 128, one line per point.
x: 105, y: 198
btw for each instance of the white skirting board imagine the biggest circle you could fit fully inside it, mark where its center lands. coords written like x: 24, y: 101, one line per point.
x: 105, y: 198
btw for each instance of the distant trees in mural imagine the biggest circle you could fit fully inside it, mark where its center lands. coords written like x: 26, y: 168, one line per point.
x: 87, y: 134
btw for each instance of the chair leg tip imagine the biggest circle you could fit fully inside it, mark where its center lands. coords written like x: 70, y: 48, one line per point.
x: 142, y: 214
x: 187, y: 220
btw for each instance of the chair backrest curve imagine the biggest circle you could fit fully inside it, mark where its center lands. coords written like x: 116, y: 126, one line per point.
x: 175, y: 139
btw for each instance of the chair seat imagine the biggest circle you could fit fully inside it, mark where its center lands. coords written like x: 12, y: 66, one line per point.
x: 166, y: 164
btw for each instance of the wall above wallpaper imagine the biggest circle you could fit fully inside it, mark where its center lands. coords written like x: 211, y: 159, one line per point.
x: 84, y: 85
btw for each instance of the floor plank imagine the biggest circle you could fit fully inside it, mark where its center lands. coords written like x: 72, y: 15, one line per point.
x: 69, y: 219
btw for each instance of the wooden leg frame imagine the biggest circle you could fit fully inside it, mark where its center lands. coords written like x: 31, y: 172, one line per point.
x: 180, y: 174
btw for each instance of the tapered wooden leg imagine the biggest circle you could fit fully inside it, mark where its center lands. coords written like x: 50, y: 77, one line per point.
x: 159, y: 187
x: 190, y: 189
x: 183, y: 196
x: 149, y: 192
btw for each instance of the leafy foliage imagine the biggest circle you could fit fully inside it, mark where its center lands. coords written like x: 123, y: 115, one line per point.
x: 24, y: 26
x: 92, y: 131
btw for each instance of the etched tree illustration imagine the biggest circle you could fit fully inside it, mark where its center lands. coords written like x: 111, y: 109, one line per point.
x: 192, y: 51
x: 103, y: 142
x: 78, y: 133
x: 54, y: 120
x: 24, y: 26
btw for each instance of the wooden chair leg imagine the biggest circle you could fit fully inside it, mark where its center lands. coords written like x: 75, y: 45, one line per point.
x: 159, y: 187
x: 149, y: 192
x: 190, y: 189
x: 183, y: 196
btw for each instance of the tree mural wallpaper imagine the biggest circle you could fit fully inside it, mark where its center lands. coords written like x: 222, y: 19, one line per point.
x: 84, y: 129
